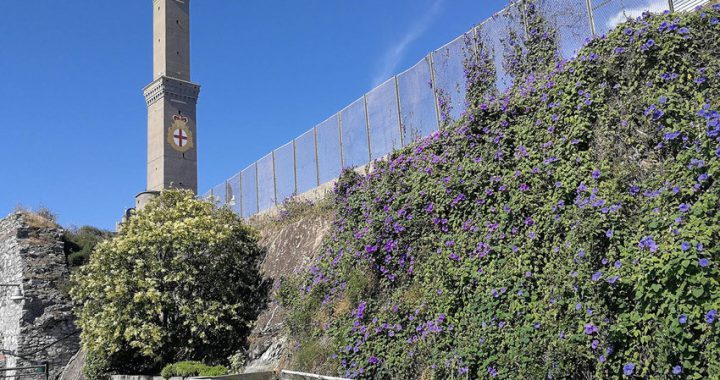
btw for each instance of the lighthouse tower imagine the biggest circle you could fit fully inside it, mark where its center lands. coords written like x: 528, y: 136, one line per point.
x: 171, y: 100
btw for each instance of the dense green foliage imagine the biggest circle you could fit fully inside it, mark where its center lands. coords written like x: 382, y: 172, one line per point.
x: 567, y: 229
x: 79, y: 243
x: 180, y: 281
x: 192, y: 368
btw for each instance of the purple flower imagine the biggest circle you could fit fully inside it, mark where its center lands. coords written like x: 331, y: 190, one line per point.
x: 682, y: 319
x: 360, y: 312
x: 458, y: 199
x: 590, y: 329
x: 595, y: 343
x: 677, y: 370
x: 609, y: 233
x: 684, y: 207
x: 684, y: 246
x: 492, y: 371
x: 613, y: 279
x: 597, y: 276
x: 373, y: 360
x: 671, y: 135
x: 596, y: 174
x: 429, y: 208
x: 648, y: 243
x: 710, y: 316
x: 704, y: 262
x: 628, y: 369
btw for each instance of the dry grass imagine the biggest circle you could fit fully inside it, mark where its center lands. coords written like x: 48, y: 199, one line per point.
x: 294, y: 210
x: 37, y: 220
x: 342, y: 307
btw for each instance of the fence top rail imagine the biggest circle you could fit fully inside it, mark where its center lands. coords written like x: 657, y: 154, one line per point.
x: 312, y: 375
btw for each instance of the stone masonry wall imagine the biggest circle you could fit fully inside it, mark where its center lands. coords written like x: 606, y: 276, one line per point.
x: 39, y: 328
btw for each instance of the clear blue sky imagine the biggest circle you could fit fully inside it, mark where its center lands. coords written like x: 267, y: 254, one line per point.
x: 72, y: 114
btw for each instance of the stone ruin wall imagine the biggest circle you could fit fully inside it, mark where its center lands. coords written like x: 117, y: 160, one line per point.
x: 39, y: 328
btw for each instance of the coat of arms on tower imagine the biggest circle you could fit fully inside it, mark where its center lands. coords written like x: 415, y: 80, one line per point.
x: 179, y: 135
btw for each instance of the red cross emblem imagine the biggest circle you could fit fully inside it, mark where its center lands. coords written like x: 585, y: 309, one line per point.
x: 180, y: 138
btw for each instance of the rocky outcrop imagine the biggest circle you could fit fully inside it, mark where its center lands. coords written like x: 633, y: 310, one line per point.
x: 36, y: 320
x: 74, y: 369
x: 290, y: 247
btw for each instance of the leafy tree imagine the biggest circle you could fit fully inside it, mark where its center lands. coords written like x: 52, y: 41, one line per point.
x: 180, y: 281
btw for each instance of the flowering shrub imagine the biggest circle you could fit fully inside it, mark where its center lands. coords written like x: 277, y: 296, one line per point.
x: 568, y: 228
x: 180, y: 281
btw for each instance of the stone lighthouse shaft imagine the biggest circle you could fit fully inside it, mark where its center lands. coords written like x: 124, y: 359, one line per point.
x: 171, y: 100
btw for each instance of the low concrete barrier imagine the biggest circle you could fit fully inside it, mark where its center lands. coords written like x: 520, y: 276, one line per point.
x: 242, y: 376
x: 292, y: 375
x: 284, y: 375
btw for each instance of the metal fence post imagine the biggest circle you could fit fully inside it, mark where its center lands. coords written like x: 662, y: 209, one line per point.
x: 367, y: 127
x: 591, y: 18
x: 275, y: 193
x: 240, y: 196
x: 671, y: 4
x: 399, y: 109
x: 524, y: 16
x: 295, y: 185
x: 433, y: 84
x: 476, y: 44
x: 257, y: 189
x: 317, y: 158
x: 342, y: 153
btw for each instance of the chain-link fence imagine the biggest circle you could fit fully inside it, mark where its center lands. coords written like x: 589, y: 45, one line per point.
x: 413, y: 104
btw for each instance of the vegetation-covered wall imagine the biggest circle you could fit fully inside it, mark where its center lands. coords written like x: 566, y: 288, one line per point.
x: 567, y: 228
